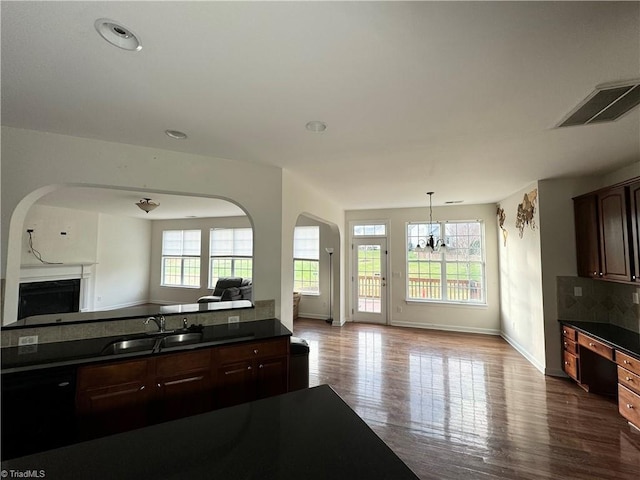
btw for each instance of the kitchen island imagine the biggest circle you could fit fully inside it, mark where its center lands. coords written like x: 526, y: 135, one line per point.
x: 308, y: 434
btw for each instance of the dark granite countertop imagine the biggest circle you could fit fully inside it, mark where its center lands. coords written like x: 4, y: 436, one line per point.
x: 622, y: 339
x: 307, y: 434
x: 78, y: 352
x: 139, y: 311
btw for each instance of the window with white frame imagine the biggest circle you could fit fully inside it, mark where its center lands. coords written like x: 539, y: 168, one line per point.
x: 370, y: 230
x: 230, y: 253
x: 455, y: 273
x: 306, y: 256
x: 181, y: 258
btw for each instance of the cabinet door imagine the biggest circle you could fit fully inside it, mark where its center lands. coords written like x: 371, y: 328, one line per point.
x: 614, y: 237
x: 235, y: 383
x: 587, y: 234
x: 272, y: 377
x: 634, y: 197
x: 112, y: 398
x: 183, y: 385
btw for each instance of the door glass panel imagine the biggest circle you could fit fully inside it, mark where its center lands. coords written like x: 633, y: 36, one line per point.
x: 369, y: 278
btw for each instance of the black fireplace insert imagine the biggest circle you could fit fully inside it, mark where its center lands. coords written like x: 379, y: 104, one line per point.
x: 57, y: 296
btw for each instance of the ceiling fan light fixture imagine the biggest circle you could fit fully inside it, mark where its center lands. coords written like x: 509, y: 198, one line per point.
x: 118, y: 35
x: 147, y: 204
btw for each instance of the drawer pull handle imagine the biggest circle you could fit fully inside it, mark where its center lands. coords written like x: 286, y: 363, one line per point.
x: 564, y: 331
x: 626, y: 362
x: 141, y: 388
x: 629, y: 405
x: 261, y: 366
x: 565, y: 344
x: 566, y: 363
x: 591, y: 344
x: 255, y: 351
x: 249, y: 367
x: 628, y: 379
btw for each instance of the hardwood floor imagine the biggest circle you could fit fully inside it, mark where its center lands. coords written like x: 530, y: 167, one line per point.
x: 455, y: 405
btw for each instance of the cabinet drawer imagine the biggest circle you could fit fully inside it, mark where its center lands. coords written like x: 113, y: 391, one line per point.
x: 570, y: 346
x: 595, y: 346
x: 112, y: 374
x: 630, y: 363
x: 628, y: 379
x: 568, y: 332
x: 629, y: 405
x: 247, y: 351
x: 179, y: 363
x: 571, y: 365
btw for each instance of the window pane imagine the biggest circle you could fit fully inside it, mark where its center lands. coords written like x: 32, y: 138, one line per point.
x: 305, y: 276
x: 171, y: 268
x: 379, y: 229
x: 306, y: 243
x: 456, y: 272
x: 191, y: 271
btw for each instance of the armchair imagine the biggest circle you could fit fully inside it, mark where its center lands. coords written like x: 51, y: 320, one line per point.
x: 228, y: 289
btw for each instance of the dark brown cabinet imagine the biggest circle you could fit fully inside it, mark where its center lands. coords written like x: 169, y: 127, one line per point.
x: 634, y: 208
x: 120, y: 396
x: 250, y: 371
x: 183, y: 385
x: 113, y: 398
x: 587, y: 234
x: 614, y: 234
x: 606, y: 226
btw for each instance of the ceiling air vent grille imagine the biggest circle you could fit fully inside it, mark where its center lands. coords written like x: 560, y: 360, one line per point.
x: 605, y: 104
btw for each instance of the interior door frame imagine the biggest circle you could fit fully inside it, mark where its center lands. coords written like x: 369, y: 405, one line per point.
x: 383, y: 317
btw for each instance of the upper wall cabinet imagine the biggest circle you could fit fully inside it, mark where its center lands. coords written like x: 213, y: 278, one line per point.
x: 607, y: 223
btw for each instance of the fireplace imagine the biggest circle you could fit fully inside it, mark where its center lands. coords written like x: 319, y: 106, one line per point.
x: 55, y: 296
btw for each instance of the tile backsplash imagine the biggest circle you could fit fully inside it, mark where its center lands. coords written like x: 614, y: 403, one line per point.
x: 601, y: 301
x: 263, y: 310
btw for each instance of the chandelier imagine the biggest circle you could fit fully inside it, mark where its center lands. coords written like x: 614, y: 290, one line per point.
x: 433, y: 243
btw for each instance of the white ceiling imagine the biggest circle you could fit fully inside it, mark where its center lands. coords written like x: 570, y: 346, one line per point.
x: 459, y: 98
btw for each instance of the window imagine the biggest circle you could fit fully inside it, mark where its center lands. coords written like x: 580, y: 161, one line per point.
x: 306, y: 255
x: 231, y: 253
x: 453, y: 274
x: 181, y: 258
x: 370, y: 230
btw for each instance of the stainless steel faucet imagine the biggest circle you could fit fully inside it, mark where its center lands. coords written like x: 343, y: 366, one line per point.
x: 159, y: 321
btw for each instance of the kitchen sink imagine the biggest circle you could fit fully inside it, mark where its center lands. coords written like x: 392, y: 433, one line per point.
x: 131, y: 345
x: 178, y: 339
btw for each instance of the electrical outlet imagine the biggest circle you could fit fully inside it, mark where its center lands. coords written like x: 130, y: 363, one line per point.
x: 399, y: 309
x: 635, y: 297
x: 28, y: 340
x: 577, y: 291
x: 234, y: 319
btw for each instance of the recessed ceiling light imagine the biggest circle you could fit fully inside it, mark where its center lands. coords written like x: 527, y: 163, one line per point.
x: 178, y: 135
x: 117, y: 34
x: 316, y: 126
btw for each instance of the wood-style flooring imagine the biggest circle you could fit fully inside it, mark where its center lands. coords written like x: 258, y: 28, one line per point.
x: 455, y: 405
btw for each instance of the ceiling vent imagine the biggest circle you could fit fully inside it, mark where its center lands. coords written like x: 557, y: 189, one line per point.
x: 604, y: 104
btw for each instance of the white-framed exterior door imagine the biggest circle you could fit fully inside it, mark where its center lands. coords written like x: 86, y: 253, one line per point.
x: 369, y: 280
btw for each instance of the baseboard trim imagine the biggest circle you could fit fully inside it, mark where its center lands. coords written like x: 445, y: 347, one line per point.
x: 122, y: 305
x: 313, y: 316
x: 448, y: 328
x: 522, y: 351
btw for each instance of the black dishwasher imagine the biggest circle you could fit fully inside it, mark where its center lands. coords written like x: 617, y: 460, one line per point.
x: 38, y: 411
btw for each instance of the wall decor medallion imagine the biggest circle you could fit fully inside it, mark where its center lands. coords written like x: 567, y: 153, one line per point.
x: 526, y: 211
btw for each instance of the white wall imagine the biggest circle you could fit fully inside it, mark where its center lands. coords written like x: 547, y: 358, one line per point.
x: 122, y: 272
x: 48, y: 223
x: 160, y: 294
x: 469, y: 318
x: 558, y: 253
x: 521, y: 306
x: 35, y: 163
x: 298, y: 197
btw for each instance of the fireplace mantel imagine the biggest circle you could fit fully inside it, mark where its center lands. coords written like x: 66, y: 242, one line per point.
x: 46, y: 272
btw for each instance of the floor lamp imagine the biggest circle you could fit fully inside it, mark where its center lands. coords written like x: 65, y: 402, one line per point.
x: 330, y: 252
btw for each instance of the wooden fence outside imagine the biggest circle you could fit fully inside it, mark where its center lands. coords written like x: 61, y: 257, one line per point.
x: 431, y: 288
